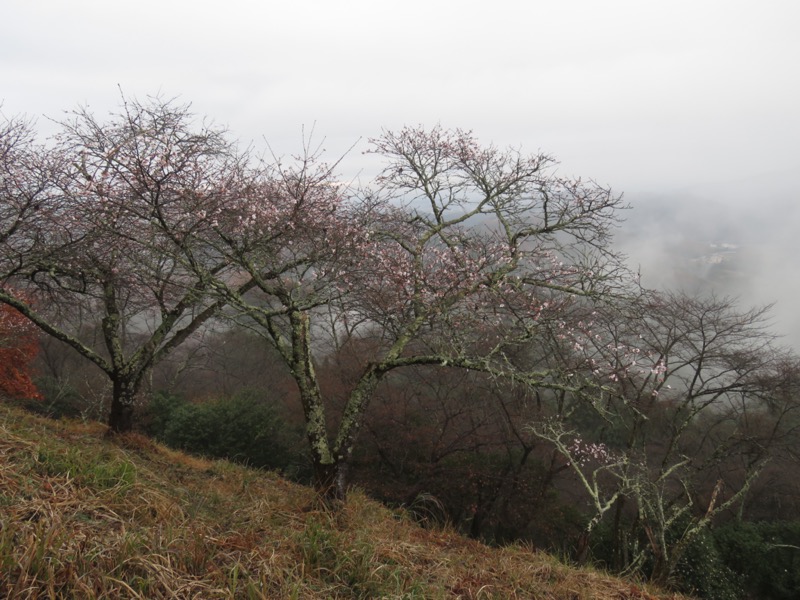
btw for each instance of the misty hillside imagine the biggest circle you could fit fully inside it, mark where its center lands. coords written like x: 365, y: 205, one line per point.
x: 83, y: 517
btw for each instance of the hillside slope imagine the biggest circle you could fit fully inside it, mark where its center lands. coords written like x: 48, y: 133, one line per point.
x: 84, y: 517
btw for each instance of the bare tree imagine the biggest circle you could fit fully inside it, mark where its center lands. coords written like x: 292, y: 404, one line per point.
x: 456, y: 446
x: 684, y: 371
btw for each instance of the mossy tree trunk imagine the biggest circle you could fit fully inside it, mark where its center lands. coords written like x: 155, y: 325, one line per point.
x: 330, y: 456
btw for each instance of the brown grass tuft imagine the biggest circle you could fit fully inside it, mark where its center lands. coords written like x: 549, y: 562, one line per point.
x: 87, y: 517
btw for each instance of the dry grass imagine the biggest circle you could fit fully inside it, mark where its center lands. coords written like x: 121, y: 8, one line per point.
x: 83, y: 517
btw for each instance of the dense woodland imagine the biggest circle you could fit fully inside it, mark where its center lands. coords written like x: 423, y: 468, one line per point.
x: 458, y: 336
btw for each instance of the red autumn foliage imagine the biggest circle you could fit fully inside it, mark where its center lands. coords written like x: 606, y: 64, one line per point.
x: 19, y: 345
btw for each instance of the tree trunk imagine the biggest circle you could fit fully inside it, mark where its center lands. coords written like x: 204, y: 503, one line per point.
x: 120, y: 420
x: 661, y: 571
x: 619, y: 542
x: 661, y: 568
x: 330, y: 483
x: 582, y: 548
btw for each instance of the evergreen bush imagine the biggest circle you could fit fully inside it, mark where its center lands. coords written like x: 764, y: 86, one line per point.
x: 243, y: 428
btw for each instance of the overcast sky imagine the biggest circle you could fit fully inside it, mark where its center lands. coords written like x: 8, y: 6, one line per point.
x: 670, y: 98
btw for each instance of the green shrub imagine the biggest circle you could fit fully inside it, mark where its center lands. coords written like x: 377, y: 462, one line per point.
x: 767, y: 555
x: 243, y: 428
x: 155, y: 417
x: 703, y: 572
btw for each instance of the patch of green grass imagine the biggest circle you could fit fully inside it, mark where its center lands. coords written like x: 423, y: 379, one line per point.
x: 100, y: 471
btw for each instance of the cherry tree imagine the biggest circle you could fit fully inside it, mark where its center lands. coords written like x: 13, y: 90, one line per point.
x: 27, y: 194
x: 128, y: 192
x: 454, y: 257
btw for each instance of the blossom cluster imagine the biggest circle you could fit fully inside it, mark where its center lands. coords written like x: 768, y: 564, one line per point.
x: 583, y: 453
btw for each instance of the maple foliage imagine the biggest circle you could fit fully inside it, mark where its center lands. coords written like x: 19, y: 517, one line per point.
x: 19, y: 345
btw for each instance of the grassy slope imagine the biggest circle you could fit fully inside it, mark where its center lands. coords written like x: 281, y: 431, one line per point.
x: 83, y: 517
